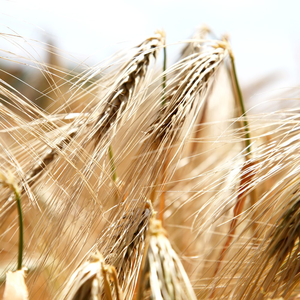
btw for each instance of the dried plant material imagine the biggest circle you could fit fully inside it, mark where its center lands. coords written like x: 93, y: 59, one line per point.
x: 119, y: 98
x: 15, y: 286
x: 124, y: 241
x: 49, y: 156
x: 7, y: 179
x: 247, y: 173
x: 125, y: 86
x: 166, y: 136
x: 272, y: 270
x: 197, y: 45
x: 94, y: 280
x: 283, y: 254
x: 162, y: 275
x: 39, y: 167
x: 129, y: 130
x: 194, y: 75
x: 197, y: 41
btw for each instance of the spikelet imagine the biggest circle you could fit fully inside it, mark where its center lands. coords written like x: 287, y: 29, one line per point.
x: 196, y: 45
x: 126, y: 85
x: 47, y: 158
x: 122, y: 244
x: 162, y: 275
x: 124, y: 89
x: 94, y: 280
x: 195, y: 75
x: 42, y: 142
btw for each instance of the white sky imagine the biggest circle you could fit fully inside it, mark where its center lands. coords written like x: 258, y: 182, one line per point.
x: 265, y: 35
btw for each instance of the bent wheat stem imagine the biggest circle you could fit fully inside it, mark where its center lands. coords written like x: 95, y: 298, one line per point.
x: 8, y: 180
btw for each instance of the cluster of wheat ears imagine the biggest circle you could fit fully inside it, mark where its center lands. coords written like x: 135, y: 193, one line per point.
x: 142, y: 181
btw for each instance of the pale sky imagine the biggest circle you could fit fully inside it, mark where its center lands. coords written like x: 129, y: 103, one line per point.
x: 265, y: 35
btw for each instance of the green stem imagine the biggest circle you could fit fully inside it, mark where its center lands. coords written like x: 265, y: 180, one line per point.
x: 112, y: 164
x: 241, y: 102
x: 21, y: 230
x: 164, y: 80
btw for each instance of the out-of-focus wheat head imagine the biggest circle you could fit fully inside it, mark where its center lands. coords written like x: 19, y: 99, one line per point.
x: 94, y: 280
x: 125, y: 141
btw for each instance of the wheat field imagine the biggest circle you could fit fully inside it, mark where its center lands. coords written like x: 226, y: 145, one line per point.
x: 138, y: 179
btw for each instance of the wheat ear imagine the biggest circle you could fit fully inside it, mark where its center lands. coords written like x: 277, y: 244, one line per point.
x: 162, y: 275
x: 126, y: 85
x: 122, y: 244
x: 94, y: 279
x: 188, y: 83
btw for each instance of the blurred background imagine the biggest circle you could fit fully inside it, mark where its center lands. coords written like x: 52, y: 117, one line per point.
x: 264, y: 35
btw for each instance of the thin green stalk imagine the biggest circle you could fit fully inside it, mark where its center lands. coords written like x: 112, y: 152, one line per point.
x: 241, y: 102
x: 21, y: 230
x: 253, y: 193
x: 112, y: 164
x: 164, y: 80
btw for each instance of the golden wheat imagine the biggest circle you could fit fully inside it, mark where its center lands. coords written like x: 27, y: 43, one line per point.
x: 129, y: 140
